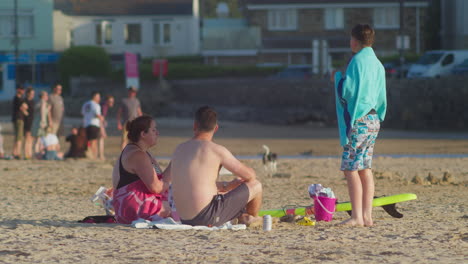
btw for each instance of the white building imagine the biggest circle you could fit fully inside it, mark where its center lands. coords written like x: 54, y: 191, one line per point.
x: 152, y: 28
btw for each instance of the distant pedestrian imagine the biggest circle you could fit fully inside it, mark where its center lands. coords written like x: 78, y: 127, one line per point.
x: 18, y: 126
x: 28, y: 122
x: 108, y: 103
x: 57, y: 109
x: 130, y: 108
x: 92, y: 119
x: 42, y: 118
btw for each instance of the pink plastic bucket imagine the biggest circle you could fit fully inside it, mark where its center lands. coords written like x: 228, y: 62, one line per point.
x: 324, y: 208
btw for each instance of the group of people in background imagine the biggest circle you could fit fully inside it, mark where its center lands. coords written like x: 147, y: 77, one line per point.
x: 95, y: 114
x: 37, y: 124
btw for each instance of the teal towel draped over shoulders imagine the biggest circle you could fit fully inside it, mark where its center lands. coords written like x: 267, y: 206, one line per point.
x: 361, y: 89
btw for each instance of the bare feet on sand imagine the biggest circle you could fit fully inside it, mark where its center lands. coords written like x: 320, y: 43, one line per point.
x: 352, y: 222
x: 251, y: 221
x: 368, y: 222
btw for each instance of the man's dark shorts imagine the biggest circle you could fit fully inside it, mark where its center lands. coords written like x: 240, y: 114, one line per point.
x: 93, y: 132
x: 222, y: 208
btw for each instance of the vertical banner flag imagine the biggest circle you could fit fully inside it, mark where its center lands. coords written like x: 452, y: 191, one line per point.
x: 131, y: 70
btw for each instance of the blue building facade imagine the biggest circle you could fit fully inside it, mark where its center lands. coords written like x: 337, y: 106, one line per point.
x: 36, y: 63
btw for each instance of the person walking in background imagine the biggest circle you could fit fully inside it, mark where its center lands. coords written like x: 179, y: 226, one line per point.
x: 360, y: 106
x: 19, y: 130
x: 42, y: 119
x: 130, y: 108
x: 108, y: 103
x: 28, y: 121
x: 57, y: 109
x: 17, y: 101
x: 92, y: 119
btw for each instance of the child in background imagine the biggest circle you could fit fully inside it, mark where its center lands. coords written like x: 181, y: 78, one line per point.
x: 50, y: 147
x: 78, y: 142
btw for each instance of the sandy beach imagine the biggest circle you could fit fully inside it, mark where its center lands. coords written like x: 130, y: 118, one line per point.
x: 41, y: 203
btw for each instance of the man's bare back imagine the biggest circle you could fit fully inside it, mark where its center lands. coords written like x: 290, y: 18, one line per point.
x: 196, y: 163
x: 199, y: 198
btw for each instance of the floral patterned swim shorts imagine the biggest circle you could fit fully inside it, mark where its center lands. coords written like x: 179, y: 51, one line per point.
x: 357, y: 154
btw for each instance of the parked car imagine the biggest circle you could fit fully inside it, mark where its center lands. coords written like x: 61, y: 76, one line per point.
x: 437, y: 63
x: 294, y: 72
x: 394, y: 70
x: 461, y: 69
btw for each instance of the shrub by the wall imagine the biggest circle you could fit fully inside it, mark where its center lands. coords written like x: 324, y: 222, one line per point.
x: 83, y: 61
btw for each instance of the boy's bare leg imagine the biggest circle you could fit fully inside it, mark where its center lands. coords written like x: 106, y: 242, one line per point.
x: 355, y: 195
x: 368, y: 189
x: 101, y: 148
x: 93, y: 147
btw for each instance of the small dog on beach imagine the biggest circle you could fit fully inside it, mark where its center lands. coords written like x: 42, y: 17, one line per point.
x: 269, y: 160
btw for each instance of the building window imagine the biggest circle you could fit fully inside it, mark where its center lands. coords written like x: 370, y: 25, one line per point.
x: 387, y: 17
x: 282, y: 19
x: 25, y: 23
x: 104, y: 32
x: 98, y: 34
x: 334, y: 18
x: 162, y: 33
x: 132, y: 33
x: 107, y: 33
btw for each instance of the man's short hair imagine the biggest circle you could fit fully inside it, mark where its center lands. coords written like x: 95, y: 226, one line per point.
x: 364, y: 34
x: 94, y: 94
x: 206, y: 118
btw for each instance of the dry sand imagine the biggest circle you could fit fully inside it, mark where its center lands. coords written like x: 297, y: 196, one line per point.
x: 42, y: 201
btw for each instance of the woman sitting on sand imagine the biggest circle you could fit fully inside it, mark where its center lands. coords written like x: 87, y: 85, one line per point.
x: 140, y: 187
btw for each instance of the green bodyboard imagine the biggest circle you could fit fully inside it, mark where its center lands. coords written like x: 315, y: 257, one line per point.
x: 345, y: 206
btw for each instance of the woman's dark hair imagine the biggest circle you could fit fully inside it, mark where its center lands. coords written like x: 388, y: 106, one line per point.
x: 137, y: 125
x: 364, y: 34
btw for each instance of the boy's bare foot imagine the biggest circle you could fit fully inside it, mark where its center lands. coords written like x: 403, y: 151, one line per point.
x: 352, y: 222
x: 368, y: 222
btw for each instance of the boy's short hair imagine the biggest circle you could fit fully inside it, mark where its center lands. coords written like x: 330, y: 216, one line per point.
x: 206, y: 118
x: 364, y: 34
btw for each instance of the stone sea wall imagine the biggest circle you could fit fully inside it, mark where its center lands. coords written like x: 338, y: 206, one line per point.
x: 436, y: 104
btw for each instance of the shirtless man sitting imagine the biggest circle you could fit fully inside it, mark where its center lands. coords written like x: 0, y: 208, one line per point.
x: 199, y: 198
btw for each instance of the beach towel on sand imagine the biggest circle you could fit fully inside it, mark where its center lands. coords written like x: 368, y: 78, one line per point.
x: 171, y: 224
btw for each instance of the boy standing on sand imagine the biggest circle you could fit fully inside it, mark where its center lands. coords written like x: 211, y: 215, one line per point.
x: 361, y: 104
